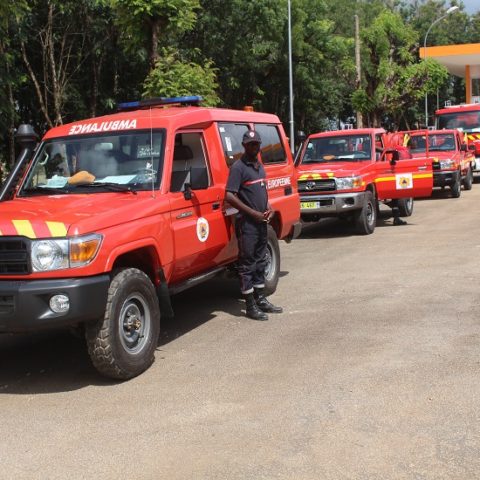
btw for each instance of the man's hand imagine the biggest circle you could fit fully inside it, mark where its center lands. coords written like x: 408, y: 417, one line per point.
x: 267, y: 215
x: 257, y: 216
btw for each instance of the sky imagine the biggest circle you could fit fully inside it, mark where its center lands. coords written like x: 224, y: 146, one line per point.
x: 472, y: 6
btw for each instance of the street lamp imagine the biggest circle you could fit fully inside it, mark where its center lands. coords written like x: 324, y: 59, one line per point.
x: 448, y: 12
x: 290, y: 78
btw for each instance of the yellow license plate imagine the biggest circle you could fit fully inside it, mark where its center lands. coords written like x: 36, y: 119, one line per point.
x: 309, y: 205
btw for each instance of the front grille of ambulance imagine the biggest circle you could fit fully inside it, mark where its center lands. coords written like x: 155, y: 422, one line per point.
x: 320, y: 185
x: 14, y: 256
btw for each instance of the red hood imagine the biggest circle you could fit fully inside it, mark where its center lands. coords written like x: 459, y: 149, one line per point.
x: 61, y: 215
x: 331, y: 169
x: 435, y: 154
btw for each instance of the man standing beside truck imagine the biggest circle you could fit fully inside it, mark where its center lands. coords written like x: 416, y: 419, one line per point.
x: 247, y: 192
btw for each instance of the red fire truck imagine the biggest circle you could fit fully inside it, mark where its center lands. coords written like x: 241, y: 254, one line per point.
x: 465, y: 118
x: 345, y: 174
x: 107, y: 217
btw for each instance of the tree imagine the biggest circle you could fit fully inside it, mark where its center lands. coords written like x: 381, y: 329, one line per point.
x: 10, y: 77
x: 147, y: 24
x: 173, y: 77
x: 394, y: 81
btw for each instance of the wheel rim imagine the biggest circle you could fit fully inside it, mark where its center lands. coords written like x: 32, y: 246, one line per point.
x: 135, y: 323
x: 408, y: 204
x: 270, y: 263
x: 370, y: 214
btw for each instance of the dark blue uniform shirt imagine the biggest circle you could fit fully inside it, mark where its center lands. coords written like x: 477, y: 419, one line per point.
x: 247, y: 179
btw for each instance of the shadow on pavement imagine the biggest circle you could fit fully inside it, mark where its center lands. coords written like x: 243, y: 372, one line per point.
x: 58, y: 361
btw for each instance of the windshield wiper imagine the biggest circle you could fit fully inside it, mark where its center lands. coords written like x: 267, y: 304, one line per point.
x: 113, y: 187
x: 44, y: 190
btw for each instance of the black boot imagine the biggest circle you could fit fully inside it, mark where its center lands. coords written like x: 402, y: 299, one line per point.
x: 253, y: 311
x: 399, y: 221
x: 263, y: 304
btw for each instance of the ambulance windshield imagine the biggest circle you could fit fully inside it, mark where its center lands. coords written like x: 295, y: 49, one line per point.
x: 338, y: 148
x: 465, y: 121
x: 444, y: 142
x: 67, y: 164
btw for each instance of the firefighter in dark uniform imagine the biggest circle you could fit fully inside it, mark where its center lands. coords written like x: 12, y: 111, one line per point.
x: 247, y: 192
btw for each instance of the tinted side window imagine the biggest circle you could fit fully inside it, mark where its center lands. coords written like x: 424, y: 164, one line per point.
x: 272, y: 150
x: 231, y: 135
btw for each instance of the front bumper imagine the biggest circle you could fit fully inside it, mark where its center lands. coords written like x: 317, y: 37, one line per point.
x: 331, y: 205
x: 294, y: 232
x: 24, y: 304
x: 444, y: 179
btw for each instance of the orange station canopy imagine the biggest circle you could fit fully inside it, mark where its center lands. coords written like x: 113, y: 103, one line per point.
x: 460, y: 60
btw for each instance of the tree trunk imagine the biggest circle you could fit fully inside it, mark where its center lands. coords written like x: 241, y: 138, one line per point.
x: 155, y: 27
x: 41, y: 100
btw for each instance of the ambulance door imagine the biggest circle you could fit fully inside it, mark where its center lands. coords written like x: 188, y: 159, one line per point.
x: 199, y: 227
x: 403, y: 178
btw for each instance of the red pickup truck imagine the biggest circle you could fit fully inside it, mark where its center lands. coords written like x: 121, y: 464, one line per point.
x: 345, y: 173
x: 453, y: 162
x: 109, y: 216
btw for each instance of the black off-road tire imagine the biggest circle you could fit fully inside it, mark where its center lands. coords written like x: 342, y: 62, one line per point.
x: 456, y: 187
x: 123, y: 343
x: 468, y: 180
x: 366, y: 218
x: 405, y: 206
x: 272, y: 267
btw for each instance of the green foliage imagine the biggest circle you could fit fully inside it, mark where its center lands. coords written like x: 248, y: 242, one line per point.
x: 173, y: 77
x: 234, y: 53
x: 146, y: 24
x: 395, y: 82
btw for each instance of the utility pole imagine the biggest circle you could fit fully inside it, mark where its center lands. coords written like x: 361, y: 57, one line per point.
x: 290, y: 78
x: 357, y: 66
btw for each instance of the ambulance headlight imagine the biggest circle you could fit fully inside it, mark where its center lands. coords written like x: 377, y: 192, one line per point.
x: 49, y: 255
x: 58, y: 254
x: 347, y: 183
x: 448, y: 163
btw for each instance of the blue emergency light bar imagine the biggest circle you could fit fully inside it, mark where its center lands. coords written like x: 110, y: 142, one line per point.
x: 159, y: 101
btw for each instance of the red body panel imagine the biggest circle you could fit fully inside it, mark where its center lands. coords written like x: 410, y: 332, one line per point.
x: 184, y: 237
x: 407, y: 178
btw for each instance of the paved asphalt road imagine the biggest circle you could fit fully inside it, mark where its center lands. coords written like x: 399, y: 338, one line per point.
x: 371, y: 372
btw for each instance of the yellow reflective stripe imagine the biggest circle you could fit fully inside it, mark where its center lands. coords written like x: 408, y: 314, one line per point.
x: 24, y: 227
x: 57, y: 229
x: 422, y: 175
x: 384, y: 179
x: 415, y: 175
x: 330, y: 174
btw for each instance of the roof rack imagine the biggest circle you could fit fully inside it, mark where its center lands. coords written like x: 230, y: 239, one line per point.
x: 159, y: 101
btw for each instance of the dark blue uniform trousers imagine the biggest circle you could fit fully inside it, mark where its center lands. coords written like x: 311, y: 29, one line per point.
x: 252, y: 246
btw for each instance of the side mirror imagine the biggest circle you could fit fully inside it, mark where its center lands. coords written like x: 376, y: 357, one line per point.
x: 199, y: 178
x: 301, y: 136
x: 198, y: 181
x: 187, y: 191
x: 471, y: 147
x: 463, y: 147
x: 395, y: 157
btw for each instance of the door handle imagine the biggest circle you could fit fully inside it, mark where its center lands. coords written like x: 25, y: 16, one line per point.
x: 216, y: 205
x: 422, y: 168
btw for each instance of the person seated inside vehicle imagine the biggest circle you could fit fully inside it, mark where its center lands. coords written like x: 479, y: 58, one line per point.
x: 448, y: 144
x: 98, y: 161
